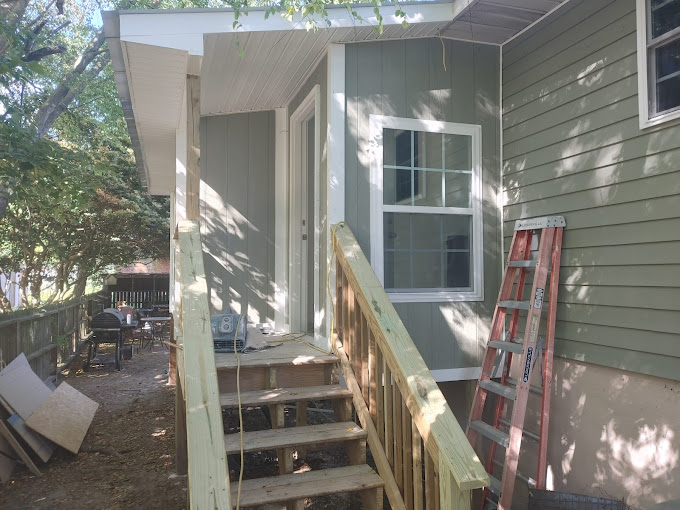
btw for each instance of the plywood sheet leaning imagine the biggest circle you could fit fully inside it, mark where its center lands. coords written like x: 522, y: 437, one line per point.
x: 40, y: 445
x: 5, y: 432
x: 7, y: 459
x: 64, y: 417
x: 21, y: 390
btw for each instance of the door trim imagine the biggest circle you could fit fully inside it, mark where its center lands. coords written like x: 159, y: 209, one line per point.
x: 311, y: 105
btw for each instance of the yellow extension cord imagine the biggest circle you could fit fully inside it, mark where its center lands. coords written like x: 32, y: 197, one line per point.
x: 288, y: 337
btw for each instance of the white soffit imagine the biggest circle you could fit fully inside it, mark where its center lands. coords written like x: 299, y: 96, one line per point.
x: 497, y: 21
x: 156, y: 77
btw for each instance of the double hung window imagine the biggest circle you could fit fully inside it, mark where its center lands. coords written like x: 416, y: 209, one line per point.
x: 426, y: 239
x: 658, y: 60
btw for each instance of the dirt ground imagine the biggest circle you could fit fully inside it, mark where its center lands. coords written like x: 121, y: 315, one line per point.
x: 135, y: 419
x: 127, y: 460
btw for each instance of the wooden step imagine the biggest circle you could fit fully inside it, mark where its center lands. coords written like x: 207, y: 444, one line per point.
x: 292, y: 437
x: 298, y: 486
x: 285, y: 395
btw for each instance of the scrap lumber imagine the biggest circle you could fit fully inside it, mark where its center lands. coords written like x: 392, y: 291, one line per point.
x: 5, y: 432
x: 64, y: 417
x: 7, y: 459
x: 22, y: 391
x: 41, y: 446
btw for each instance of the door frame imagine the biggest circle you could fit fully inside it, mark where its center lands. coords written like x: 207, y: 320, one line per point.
x: 311, y: 105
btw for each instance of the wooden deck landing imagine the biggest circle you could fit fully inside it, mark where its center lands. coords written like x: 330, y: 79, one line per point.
x: 296, y: 364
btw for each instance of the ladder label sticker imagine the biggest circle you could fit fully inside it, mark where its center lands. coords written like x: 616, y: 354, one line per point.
x: 527, y: 364
x: 538, y: 298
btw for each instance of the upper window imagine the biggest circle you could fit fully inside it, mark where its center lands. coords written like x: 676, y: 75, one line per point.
x: 426, y: 234
x: 658, y: 60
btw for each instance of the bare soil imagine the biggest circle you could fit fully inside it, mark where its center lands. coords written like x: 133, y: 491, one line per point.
x: 135, y: 419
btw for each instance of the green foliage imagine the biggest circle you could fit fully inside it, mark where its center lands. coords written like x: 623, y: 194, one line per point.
x: 312, y: 13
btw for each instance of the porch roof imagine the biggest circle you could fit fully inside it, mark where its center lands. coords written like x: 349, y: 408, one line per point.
x: 153, y: 51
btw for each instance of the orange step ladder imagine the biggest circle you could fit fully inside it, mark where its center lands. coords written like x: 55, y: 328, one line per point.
x: 499, y: 353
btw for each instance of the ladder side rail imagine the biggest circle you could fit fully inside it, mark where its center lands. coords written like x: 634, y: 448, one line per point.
x: 530, y: 340
x: 548, y: 361
x: 500, y: 401
x: 497, y: 324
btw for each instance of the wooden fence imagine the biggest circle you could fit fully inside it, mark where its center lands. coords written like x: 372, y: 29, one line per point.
x: 46, y: 336
x: 418, y: 447
x: 139, y: 298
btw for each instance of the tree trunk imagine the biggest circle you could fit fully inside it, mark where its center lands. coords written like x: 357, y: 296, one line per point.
x: 70, y: 87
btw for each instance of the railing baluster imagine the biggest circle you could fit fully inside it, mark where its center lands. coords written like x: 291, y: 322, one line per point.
x: 398, y: 438
x: 339, y: 291
x: 357, y: 340
x: 430, y: 490
x: 417, y: 451
x: 373, y: 382
x: 389, y: 423
x: 408, y: 455
x: 380, y: 379
x: 364, y: 374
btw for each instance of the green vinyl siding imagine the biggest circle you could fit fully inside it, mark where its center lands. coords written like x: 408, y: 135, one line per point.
x: 237, y: 212
x: 572, y: 146
x: 419, y: 79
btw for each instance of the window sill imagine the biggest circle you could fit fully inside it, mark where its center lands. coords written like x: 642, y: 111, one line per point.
x: 660, y: 119
x: 434, y: 297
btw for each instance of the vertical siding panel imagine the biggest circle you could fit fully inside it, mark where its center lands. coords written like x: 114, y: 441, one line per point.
x: 463, y: 93
x: 237, y: 200
x: 418, y: 91
x: 257, y: 213
x: 393, y: 71
x: 441, y: 99
x: 271, y: 218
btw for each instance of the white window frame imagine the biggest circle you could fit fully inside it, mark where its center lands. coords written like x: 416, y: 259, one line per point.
x: 376, y: 125
x: 646, y: 71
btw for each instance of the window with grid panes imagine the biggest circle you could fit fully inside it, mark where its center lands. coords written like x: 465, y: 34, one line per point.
x: 426, y: 221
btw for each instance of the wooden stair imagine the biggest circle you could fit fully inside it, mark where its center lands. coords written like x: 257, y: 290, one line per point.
x: 288, y: 376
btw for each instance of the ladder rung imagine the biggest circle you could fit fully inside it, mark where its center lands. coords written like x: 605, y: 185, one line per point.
x: 490, y: 432
x: 526, y: 479
x: 497, y: 388
x: 507, y: 346
x: 526, y: 433
x: 519, y: 305
x: 495, y: 485
x: 530, y: 264
x: 536, y: 390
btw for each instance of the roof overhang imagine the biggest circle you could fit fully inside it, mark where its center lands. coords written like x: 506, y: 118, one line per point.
x: 262, y: 62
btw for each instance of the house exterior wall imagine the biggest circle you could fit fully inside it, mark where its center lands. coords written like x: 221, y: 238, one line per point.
x: 572, y: 146
x: 408, y: 79
x: 237, y: 212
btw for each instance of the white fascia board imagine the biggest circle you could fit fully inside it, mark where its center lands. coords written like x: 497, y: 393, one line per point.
x: 184, y: 30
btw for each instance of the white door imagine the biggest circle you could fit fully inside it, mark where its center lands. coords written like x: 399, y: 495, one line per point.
x: 303, y: 231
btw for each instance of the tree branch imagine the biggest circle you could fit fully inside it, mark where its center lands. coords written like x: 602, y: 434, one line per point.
x: 41, y: 53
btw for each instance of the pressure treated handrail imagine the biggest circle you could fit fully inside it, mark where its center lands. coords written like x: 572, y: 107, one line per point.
x: 207, y: 462
x: 410, y: 426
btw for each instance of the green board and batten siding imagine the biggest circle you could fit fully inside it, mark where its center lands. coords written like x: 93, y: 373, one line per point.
x: 237, y: 211
x: 407, y: 79
x: 572, y: 146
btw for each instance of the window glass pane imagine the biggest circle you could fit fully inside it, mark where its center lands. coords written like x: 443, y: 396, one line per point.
x: 427, y: 231
x: 427, y: 251
x: 428, y: 188
x: 397, y: 231
x: 665, y: 16
x: 428, y: 150
x: 458, y: 152
x: 396, y: 186
x: 458, y: 187
x: 427, y: 270
x: 397, y: 270
x: 668, y: 76
x: 397, y: 147
x: 458, y: 239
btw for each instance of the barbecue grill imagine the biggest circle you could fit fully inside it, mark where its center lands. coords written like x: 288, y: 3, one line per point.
x: 107, y: 328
